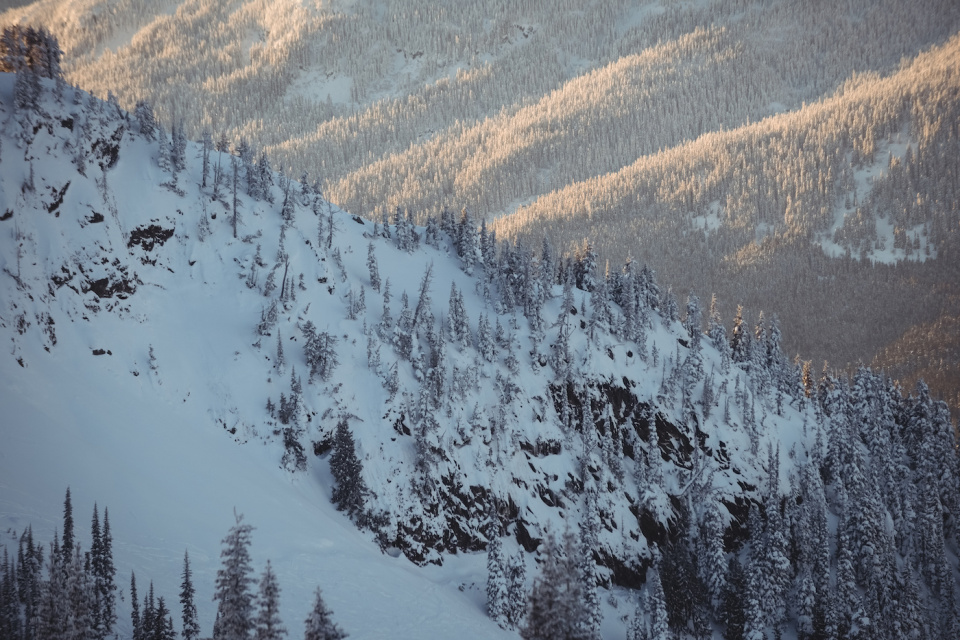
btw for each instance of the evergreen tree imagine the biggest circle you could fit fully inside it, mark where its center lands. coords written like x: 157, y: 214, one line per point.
x: 146, y: 121
x: 9, y: 600
x: 67, y: 548
x: 657, y: 608
x: 516, y: 589
x: 587, y: 568
x: 163, y: 148
x: 105, y: 574
x: 422, y: 315
x: 232, y: 587
x: 191, y: 628
x: 319, y: 624
x: 556, y: 608
x: 372, y: 266
x: 163, y: 622
x: 486, y: 345
x: 268, y: 624
x: 79, y: 590
x: 319, y: 350
x: 740, y: 341
x: 148, y: 620
x: 135, y: 621
x: 497, y: 603
x: 713, y: 561
x: 96, y: 559
x: 350, y: 492
x: 207, y: 145
x: 693, y: 321
x: 235, y: 198
x: 459, y: 322
x: 53, y: 607
x: 178, y: 148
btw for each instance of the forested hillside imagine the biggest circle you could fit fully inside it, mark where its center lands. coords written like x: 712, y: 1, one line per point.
x: 527, y: 110
x: 842, y: 217
x: 543, y: 446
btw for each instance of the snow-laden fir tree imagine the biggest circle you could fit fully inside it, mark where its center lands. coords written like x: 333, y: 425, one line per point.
x: 516, y: 604
x: 188, y: 607
x: 103, y: 573
x: 268, y: 624
x: 232, y: 590
x: 587, y: 568
x: 713, y: 562
x: 66, y: 549
x: 497, y: 604
x: 350, y: 491
x: 80, y: 590
x: 319, y: 350
x: 162, y: 622
x: 135, y: 620
x: 556, y: 609
x: 372, y: 267
x: 320, y: 624
x: 659, y: 628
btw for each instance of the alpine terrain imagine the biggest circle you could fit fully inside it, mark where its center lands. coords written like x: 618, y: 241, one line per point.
x: 445, y: 433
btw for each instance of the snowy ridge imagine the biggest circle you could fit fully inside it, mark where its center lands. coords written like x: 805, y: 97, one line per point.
x: 142, y: 313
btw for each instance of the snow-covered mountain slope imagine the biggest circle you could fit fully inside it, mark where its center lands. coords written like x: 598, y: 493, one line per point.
x: 162, y: 301
x: 150, y: 444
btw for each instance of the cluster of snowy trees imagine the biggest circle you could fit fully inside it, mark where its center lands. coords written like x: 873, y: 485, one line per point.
x: 857, y: 547
x: 66, y: 592
x: 71, y: 593
x: 31, y: 50
x: 243, y: 614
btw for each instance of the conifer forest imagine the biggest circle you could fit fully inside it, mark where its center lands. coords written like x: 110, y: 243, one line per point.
x: 583, y: 319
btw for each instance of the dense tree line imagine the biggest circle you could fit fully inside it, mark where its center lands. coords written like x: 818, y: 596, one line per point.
x: 64, y: 592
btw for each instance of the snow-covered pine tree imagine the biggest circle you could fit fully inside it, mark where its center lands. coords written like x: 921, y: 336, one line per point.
x: 135, y: 621
x: 146, y: 121
x: 206, y: 141
x: 422, y: 316
x: 556, y: 607
x: 516, y: 589
x: 319, y: 350
x: 458, y: 320
x: 80, y: 592
x: 693, y: 321
x: 103, y: 574
x: 163, y: 622
x: 350, y: 492
x: 232, y: 590
x: 320, y: 624
x: 741, y: 341
x: 497, y: 604
x: 264, y: 178
x: 9, y: 600
x: 268, y: 623
x: 639, y: 623
x: 372, y: 267
x: 95, y: 558
x: 234, y: 197
x: 657, y: 607
x: 587, y: 567
x: 486, y: 345
x: 66, y: 550
x: 713, y: 562
x: 191, y: 628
